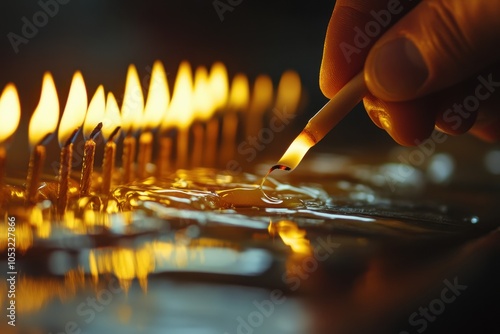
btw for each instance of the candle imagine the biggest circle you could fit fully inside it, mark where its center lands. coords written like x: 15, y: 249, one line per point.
x: 110, y: 131
x: 10, y: 114
x: 91, y: 129
x: 289, y: 92
x: 321, y: 123
x: 260, y: 102
x: 71, y: 121
x: 203, y: 109
x: 198, y: 136
x: 42, y: 125
x: 132, y: 109
x: 165, y: 152
x: 154, y: 112
x: 180, y: 112
x: 218, y: 83
x: 238, y: 102
x: 211, y: 139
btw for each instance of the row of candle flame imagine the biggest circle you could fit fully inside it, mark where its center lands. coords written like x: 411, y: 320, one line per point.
x: 196, y: 100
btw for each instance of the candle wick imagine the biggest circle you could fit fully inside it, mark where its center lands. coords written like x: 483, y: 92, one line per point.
x: 45, y: 139
x: 113, y: 134
x: 96, y: 131
x: 71, y: 137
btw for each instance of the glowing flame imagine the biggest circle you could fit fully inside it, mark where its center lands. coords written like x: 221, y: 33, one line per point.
x: 289, y: 92
x: 291, y: 235
x: 239, y: 97
x: 46, y: 115
x: 219, y: 85
x: 95, y: 113
x: 10, y: 112
x: 202, y: 100
x: 297, y: 150
x: 180, y: 112
x: 112, y: 118
x: 74, y: 112
x: 262, y: 96
x: 158, y: 97
x: 133, y: 102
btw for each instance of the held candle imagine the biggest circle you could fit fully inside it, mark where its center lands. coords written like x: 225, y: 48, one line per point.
x: 321, y: 123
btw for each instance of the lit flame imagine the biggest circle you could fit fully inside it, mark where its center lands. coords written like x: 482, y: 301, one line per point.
x: 202, y: 100
x: 180, y: 112
x: 95, y: 113
x: 133, y: 102
x: 219, y: 85
x: 240, y: 92
x: 291, y: 235
x: 158, y: 97
x: 289, y: 92
x: 262, y: 96
x: 112, y: 118
x: 46, y: 115
x: 10, y: 112
x: 74, y: 112
x: 297, y: 150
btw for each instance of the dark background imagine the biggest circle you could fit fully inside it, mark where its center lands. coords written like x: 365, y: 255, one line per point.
x: 101, y: 38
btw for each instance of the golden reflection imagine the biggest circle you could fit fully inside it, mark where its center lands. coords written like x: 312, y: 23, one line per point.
x: 32, y: 294
x: 24, y: 237
x: 41, y: 223
x: 291, y: 235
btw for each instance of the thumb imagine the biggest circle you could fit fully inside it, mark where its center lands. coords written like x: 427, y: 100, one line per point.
x: 438, y: 44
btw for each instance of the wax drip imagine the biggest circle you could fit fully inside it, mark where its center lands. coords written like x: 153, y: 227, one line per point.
x: 273, y: 168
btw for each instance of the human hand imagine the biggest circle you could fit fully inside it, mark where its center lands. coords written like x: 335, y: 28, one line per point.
x: 427, y: 63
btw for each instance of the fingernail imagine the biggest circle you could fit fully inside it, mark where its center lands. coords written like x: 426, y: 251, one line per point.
x: 397, y: 70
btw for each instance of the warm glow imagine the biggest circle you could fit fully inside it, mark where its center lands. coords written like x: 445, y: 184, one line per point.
x: 202, y: 100
x: 10, y: 112
x: 289, y: 92
x: 74, y: 112
x: 133, y: 102
x: 124, y: 263
x: 95, y: 113
x: 291, y: 235
x: 158, y: 98
x: 46, y: 115
x: 262, y: 96
x: 240, y: 92
x: 219, y: 85
x: 112, y: 118
x: 180, y: 112
x: 297, y: 150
